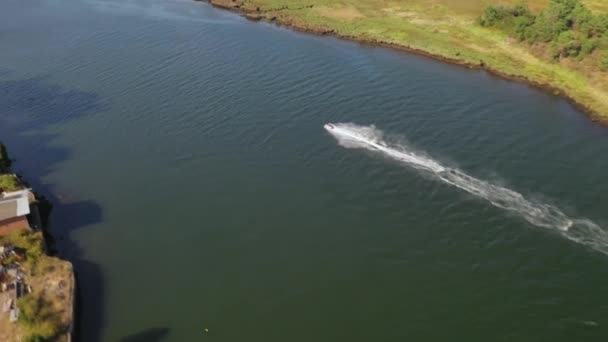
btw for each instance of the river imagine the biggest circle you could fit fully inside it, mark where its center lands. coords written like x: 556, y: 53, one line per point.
x: 200, y: 197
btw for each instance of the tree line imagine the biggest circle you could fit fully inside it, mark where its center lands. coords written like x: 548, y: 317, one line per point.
x: 567, y: 26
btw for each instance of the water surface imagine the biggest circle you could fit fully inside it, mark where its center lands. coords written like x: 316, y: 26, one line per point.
x: 195, y: 186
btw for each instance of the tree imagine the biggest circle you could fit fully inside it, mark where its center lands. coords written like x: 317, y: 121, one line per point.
x: 567, y: 27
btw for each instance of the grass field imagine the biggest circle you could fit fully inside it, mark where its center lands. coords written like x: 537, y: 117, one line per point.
x: 447, y: 28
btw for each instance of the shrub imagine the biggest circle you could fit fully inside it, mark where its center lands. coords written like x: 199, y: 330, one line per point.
x: 542, y: 31
x: 515, y: 20
x: 581, y: 19
x: 598, y: 25
x: 568, y: 26
x: 492, y: 15
x: 521, y: 10
x: 38, y: 318
x: 9, y: 182
x: 568, y: 44
x: 589, y: 45
x: 554, y: 20
x: 521, y: 26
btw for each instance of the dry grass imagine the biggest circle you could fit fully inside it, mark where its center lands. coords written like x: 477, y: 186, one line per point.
x: 50, y: 302
x: 346, y: 13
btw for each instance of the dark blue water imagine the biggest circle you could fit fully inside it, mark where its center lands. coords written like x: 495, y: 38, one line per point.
x: 196, y: 188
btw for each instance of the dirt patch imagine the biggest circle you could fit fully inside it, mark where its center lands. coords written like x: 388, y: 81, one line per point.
x: 345, y: 13
x: 411, y: 17
x: 9, y: 331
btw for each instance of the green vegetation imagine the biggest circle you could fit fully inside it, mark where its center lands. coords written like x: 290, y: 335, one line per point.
x: 42, y: 312
x: 38, y: 318
x: 30, y: 241
x: 515, y: 19
x: 9, y: 182
x: 570, y: 29
x: 46, y: 312
x: 513, y: 41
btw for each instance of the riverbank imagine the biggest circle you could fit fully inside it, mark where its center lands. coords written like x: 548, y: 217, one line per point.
x: 37, y: 290
x: 444, y: 31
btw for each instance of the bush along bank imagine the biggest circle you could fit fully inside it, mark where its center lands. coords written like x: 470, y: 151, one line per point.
x: 566, y: 27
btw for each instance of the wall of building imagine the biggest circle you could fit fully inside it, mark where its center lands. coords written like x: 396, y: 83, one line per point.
x: 13, y: 224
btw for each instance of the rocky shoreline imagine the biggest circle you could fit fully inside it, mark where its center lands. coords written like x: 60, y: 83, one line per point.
x: 257, y: 14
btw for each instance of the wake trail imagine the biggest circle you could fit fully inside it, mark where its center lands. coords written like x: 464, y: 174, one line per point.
x: 580, y: 230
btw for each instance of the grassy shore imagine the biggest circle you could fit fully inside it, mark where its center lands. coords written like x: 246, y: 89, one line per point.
x: 46, y: 311
x: 449, y: 30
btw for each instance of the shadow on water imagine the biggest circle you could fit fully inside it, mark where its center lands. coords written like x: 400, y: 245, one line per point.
x: 27, y: 108
x: 149, y: 335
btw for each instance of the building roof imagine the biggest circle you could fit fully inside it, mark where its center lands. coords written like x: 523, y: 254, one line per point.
x: 14, y: 204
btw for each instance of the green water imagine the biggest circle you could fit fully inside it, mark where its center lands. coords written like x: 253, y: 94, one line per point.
x: 195, y: 187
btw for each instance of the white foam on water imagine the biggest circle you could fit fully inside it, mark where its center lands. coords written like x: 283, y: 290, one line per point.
x: 580, y: 230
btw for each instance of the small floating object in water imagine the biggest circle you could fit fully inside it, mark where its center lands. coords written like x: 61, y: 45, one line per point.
x: 206, y: 330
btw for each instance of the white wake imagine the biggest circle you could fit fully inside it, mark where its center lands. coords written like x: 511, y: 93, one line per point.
x: 583, y: 231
